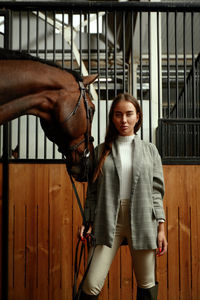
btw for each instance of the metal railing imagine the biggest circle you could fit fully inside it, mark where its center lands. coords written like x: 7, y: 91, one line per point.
x: 147, y: 49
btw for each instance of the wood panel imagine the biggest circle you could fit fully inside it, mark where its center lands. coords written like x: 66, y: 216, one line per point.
x: 40, y: 232
x: 43, y: 225
x: 1, y: 228
x: 178, y: 271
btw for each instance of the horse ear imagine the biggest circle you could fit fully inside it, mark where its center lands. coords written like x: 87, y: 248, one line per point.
x: 89, y: 79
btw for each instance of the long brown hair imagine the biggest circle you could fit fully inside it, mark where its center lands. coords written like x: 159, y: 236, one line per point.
x: 112, y: 133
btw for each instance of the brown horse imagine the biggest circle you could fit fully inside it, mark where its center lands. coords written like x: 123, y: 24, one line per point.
x: 29, y: 85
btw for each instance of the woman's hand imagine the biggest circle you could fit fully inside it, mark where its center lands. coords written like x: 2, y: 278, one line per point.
x: 162, y: 241
x: 82, y: 231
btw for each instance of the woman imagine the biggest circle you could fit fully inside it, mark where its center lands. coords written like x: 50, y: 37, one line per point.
x: 125, y: 201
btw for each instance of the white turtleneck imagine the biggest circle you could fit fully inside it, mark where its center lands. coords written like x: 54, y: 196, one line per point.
x: 125, y: 148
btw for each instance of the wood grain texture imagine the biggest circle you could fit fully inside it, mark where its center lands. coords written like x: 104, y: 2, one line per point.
x: 43, y: 225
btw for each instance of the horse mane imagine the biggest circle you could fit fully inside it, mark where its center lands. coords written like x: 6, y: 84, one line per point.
x: 6, y: 54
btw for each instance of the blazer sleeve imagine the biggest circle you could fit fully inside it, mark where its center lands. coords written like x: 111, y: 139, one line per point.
x: 91, y: 198
x: 158, y: 185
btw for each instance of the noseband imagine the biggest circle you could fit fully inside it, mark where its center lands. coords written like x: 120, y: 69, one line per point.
x: 87, y: 139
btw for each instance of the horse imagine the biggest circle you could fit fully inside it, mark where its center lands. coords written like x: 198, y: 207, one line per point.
x: 59, y: 97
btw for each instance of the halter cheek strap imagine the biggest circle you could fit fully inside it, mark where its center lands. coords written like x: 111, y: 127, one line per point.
x: 82, y: 94
x: 86, y: 139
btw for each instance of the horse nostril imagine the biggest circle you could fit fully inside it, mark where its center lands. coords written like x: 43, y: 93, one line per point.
x: 91, y: 139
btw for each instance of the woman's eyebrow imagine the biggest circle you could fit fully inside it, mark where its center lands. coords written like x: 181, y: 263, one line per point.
x: 128, y: 111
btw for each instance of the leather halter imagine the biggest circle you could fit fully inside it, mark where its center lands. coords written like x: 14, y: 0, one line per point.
x: 87, y: 139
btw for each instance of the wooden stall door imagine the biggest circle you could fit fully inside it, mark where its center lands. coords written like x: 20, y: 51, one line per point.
x: 1, y: 228
x: 179, y: 271
x: 43, y: 222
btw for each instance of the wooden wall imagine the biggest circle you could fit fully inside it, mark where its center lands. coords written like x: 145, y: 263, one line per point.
x: 43, y: 224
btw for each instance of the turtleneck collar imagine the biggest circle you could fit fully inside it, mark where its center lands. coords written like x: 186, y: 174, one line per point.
x: 125, y: 139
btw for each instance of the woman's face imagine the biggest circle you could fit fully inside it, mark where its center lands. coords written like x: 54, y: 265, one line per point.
x: 125, y: 117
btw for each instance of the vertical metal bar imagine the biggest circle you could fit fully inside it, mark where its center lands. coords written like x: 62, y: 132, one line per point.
x: 193, y: 129
x: 123, y: 50
x: 54, y: 60
x: 20, y: 30
x: 45, y: 57
x: 150, y: 90
x: 98, y: 69
x: 80, y: 42
x: 27, y: 136
x: 37, y: 54
x: 185, y: 107
x: 28, y: 31
x: 106, y: 53
x: 54, y: 37
x: 72, y: 35
x: 176, y: 59
x: 89, y: 46
x: 63, y: 40
x: 168, y: 81
x: 5, y: 184
x: 132, y: 58
x: 193, y: 69
x: 168, y: 64
x: 185, y: 66
x: 141, y: 67
x: 19, y: 119
x: 177, y: 90
x: 115, y: 53
x: 27, y: 116
x: 158, y: 47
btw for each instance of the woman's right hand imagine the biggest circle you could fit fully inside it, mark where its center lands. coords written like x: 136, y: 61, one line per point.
x: 82, y: 231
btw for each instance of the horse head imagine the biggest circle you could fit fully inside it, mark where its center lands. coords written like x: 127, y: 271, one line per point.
x: 70, y: 127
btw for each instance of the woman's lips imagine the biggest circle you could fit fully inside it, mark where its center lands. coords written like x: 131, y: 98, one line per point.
x: 124, y: 127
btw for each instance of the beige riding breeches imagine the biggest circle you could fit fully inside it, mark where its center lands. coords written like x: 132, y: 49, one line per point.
x: 143, y: 260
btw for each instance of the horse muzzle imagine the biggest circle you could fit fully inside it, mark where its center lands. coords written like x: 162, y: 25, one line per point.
x: 80, y: 170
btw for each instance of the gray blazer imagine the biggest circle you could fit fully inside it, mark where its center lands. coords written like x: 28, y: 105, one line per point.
x: 146, y: 202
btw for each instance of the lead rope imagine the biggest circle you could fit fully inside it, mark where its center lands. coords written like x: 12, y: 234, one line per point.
x: 90, y: 239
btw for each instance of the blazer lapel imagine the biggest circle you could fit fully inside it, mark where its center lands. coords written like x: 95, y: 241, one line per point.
x: 117, y: 160
x: 137, y: 160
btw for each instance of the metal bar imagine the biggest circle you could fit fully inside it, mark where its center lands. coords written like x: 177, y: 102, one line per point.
x: 141, y: 76
x: 132, y: 59
x: 54, y: 60
x: 89, y: 46
x: 123, y: 50
x: 193, y: 81
x: 106, y: 5
x: 168, y: 64
x: 106, y: 58
x: 27, y: 117
x: 150, y: 90
x: 158, y: 47
x: 71, y: 42
x: 176, y: 59
x: 115, y: 53
x: 193, y: 68
x: 45, y: 57
x: 5, y: 183
x: 63, y: 40
x: 80, y: 42
x: 98, y: 71
x: 185, y: 66
x: 177, y: 91
x: 37, y: 54
x: 28, y: 31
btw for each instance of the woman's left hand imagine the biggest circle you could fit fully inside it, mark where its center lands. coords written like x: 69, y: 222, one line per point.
x: 162, y: 241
